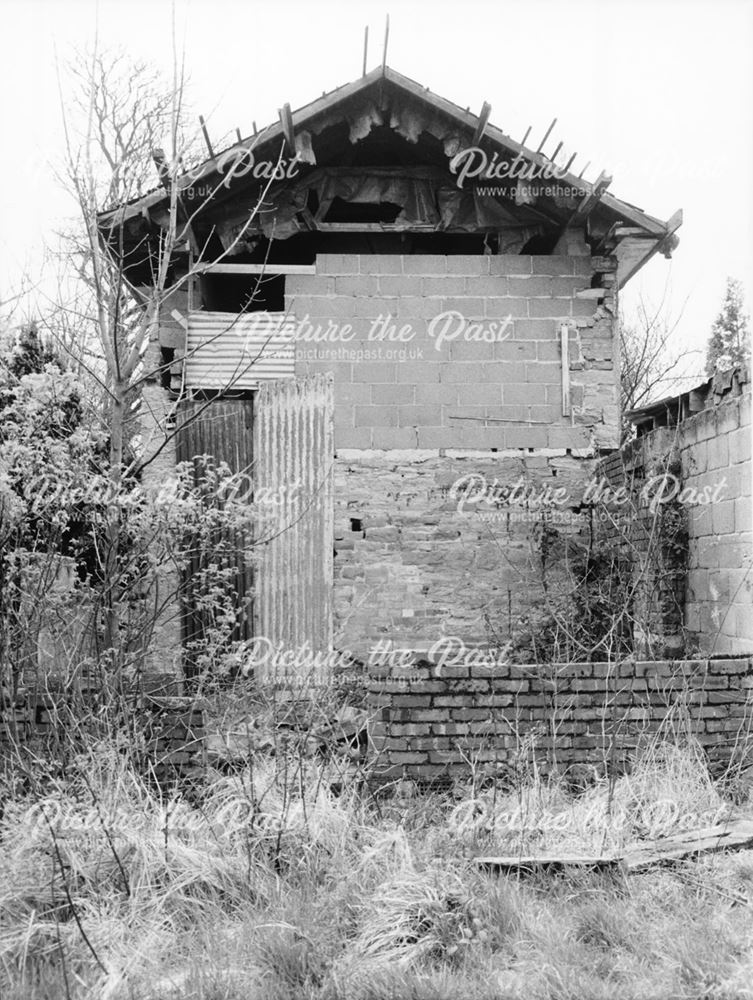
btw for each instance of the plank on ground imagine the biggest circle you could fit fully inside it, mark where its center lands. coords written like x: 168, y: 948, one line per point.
x: 736, y: 835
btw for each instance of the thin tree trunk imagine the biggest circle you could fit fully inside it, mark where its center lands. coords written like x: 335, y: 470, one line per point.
x: 114, y: 524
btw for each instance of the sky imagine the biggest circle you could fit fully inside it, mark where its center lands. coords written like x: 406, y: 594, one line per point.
x: 659, y: 93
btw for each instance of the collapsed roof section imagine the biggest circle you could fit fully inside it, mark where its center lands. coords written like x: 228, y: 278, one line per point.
x: 384, y: 165
x: 671, y: 410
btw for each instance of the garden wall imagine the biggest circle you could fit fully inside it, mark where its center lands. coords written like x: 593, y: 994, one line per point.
x: 436, y: 718
x: 706, y: 456
x: 166, y: 731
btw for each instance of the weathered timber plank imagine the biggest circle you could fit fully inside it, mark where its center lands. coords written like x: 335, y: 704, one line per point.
x: 736, y: 835
x: 547, y: 863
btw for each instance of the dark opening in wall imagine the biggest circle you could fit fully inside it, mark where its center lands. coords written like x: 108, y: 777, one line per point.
x: 243, y: 292
x: 303, y: 248
x: 167, y: 358
x: 542, y: 244
x: 347, y: 211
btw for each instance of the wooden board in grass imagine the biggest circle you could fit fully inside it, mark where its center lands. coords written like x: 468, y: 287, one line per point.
x: 734, y: 835
x: 548, y: 862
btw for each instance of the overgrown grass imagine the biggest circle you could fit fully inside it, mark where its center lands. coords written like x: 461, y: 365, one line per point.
x: 271, y: 886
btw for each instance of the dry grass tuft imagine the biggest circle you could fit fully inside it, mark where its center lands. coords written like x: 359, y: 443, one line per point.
x: 274, y: 887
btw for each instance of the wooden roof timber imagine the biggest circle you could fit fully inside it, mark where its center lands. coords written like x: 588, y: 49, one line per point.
x: 288, y: 128
x: 546, y: 136
x: 590, y: 200
x: 664, y: 245
x: 483, y: 121
x: 292, y: 121
x: 629, y: 212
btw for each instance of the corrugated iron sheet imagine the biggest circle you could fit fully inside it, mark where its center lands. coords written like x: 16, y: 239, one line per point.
x: 238, y: 350
x: 294, y: 451
x: 282, y: 442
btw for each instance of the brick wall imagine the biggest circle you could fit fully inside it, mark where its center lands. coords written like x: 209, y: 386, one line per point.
x: 170, y: 744
x: 434, y: 719
x: 709, y: 455
x: 469, y: 393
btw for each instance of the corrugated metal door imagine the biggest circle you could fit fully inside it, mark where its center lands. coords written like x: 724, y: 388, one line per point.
x: 283, y: 438
x: 294, y: 462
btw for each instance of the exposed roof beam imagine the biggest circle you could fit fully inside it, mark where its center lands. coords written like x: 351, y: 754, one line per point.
x: 632, y: 214
x: 183, y: 216
x: 591, y: 200
x: 483, y: 121
x: 307, y: 115
x: 546, y: 135
x: 665, y: 245
x: 286, y: 120
x: 377, y: 227
x: 206, y: 136
x: 255, y: 268
x: 158, y: 155
x: 617, y: 232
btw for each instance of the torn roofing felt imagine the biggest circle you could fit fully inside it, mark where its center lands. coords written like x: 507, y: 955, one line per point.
x: 421, y: 203
x: 376, y: 155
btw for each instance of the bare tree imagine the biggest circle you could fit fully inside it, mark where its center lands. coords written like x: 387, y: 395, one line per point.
x: 653, y: 361
x: 115, y: 115
x: 121, y: 121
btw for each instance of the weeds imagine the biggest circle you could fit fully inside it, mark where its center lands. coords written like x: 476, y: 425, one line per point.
x: 270, y: 885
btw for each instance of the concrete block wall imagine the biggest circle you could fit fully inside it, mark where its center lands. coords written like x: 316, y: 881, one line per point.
x: 420, y: 390
x: 711, y: 452
x: 436, y: 719
x: 715, y: 451
x: 413, y: 414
